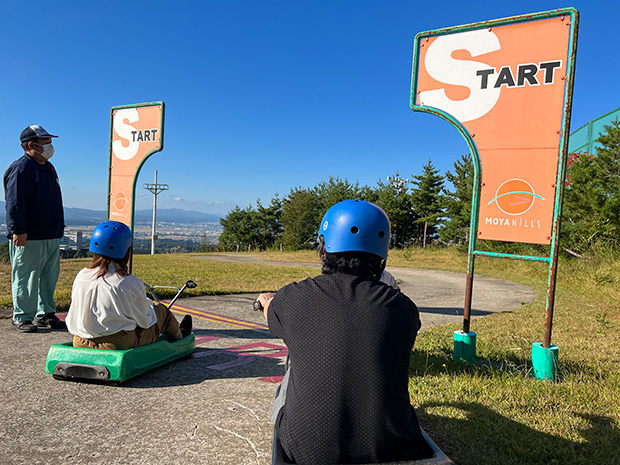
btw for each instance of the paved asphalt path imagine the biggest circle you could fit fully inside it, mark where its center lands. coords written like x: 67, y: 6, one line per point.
x: 212, y: 408
x: 439, y: 295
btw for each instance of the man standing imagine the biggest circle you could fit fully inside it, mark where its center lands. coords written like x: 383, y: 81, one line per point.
x: 35, y: 223
x: 345, y: 398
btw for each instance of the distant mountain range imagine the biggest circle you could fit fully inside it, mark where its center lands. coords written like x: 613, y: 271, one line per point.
x: 84, y: 216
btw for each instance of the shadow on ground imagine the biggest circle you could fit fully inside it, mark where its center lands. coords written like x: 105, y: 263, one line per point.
x: 458, y: 311
x: 260, y: 358
x: 494, y: 438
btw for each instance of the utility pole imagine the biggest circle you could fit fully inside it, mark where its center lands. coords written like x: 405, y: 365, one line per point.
x: 155, y: 189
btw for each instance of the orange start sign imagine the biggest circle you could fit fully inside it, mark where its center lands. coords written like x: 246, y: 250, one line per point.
x: 506, y: 85
x: 136, y: 133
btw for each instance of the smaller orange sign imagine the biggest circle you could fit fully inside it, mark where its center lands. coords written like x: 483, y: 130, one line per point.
x: 136, y: 133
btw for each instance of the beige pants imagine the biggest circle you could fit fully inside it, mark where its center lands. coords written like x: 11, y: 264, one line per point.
x: 166, y: 324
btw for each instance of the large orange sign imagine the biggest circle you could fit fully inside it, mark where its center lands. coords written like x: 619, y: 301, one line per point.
x: 136, y: 133
x: 506, y: 85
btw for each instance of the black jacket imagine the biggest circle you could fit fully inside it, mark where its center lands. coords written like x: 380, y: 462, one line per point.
x: 33, y: 200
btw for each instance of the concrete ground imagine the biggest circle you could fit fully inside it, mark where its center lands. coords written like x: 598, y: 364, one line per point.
x: 212, y: 408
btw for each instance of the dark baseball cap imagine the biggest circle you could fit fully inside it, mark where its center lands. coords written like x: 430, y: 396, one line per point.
x: 34, y: 132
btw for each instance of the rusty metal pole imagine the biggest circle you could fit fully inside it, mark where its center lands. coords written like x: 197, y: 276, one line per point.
x: 553, y: 272
x: 473, y: 232
x: 561, y: 176
x: 469, y: 284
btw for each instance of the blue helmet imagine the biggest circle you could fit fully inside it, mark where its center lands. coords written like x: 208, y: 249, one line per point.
x: 111, y: 239
x: 356, y: 225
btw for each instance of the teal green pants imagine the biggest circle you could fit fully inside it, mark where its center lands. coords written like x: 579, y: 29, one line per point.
x: 35, y: 271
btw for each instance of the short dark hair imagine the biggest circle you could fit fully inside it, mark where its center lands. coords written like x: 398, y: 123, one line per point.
x: 362, y: 264
x: 25, y: 144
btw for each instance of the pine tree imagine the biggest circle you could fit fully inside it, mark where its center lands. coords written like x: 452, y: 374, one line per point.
x: 427, y: 200
x: 336, y: 190
x: 300, y: 210
x: 591, y: 211
x: 238, y: 232
x: 393, y: 197
x: 458, y: 202
x: 267, y: 223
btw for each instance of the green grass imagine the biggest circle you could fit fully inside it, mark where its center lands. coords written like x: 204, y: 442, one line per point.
x: 173, y: 270
x: 493, y: 412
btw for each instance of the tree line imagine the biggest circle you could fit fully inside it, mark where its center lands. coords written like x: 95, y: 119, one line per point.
x: 431, y: 208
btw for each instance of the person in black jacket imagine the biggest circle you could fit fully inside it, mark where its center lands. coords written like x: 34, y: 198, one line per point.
x: 344, y: 398
x: 35, y: 224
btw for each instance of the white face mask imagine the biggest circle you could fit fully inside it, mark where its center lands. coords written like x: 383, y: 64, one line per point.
x: 48, y: 151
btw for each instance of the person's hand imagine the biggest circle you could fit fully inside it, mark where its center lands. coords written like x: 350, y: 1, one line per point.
x: 265, y: 297
x: 19, y: 240
x: 265, y: 300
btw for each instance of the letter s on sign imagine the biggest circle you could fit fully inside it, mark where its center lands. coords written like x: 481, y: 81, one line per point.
x: 442, y: 67
x: 124, y: 131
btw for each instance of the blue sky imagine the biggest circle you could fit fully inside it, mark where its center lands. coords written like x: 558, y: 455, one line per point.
x: 261, y: 96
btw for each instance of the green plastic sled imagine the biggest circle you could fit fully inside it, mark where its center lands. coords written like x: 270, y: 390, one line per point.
x: 114, y: 366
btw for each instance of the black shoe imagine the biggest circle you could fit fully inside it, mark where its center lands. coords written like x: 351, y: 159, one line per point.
x: 24, y: 326
x: 50, y: 320
x: 186, y: 326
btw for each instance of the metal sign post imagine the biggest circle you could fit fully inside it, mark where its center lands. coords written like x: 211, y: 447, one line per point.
x: 155, y: 189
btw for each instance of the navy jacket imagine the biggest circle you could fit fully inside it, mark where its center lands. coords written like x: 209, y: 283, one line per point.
x: 33, y: 200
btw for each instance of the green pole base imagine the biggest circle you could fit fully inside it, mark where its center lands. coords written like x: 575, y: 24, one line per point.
x: 545, y: 361
x: 465, y: 346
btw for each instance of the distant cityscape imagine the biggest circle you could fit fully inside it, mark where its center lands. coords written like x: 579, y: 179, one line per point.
x: 171, y: 236
x: 176, y: 230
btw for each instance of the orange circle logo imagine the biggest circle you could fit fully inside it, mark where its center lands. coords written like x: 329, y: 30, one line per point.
x: 515, y: 197
x: 120, y: 201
